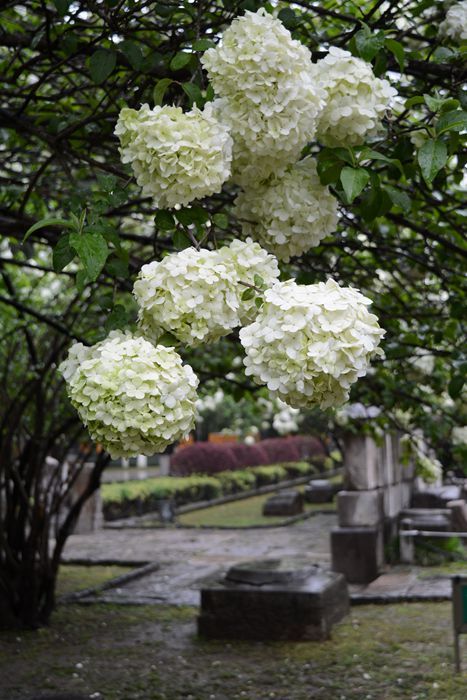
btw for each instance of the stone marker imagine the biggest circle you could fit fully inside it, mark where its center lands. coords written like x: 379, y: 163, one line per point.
x: 458, y: 511
x: 273, y: 599
x: 435, y: 497
x: 357, y: 552
x: 319, y: 491
x: 284, y: 503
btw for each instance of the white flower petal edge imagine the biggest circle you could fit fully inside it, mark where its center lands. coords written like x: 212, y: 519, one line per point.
x: 454, y: 25
x: 289, y: 214
x: 133, y: 397
x: 176, y: 157
x: 310, y: 343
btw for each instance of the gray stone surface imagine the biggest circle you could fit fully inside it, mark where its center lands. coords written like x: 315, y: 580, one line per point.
x: 273, y: 599
x: 435, y: 497
x: 286, y: 503
x: 319, y: 491
x: 359, y: 508
x: 458, y: 513
x: 357, y: 552
x: 362, y: 463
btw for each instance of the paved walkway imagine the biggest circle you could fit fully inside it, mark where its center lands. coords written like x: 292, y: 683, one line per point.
x: 187, y: 557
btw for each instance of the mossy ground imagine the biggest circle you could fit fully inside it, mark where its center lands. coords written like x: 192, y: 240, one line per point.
x: 246, y: 512
x: 78, y: 578
x: 394, y: 652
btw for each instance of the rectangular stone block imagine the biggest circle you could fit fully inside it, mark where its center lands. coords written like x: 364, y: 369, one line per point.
x: 396, y: 457
x: 406, y: 493
x: 285, y: 503
x: 362, y: 463
x: 357, y: 553
x: 392, y: 500
x: 359, y: 508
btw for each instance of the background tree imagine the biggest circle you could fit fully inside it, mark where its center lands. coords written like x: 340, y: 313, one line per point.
x: 67, y: 69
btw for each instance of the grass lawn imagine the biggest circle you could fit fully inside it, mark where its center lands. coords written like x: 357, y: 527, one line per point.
x: 77, y: 578
x: 243, y: 513
x: 393, y: 652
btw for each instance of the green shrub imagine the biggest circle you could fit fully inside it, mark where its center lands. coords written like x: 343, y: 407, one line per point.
x: 236, y: 482
x: 297, y: 469
x: 271, y: 474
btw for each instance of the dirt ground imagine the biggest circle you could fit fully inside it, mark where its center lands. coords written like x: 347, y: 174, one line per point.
x: 109, y: 652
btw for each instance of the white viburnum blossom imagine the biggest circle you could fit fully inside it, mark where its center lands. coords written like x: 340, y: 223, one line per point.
x: 134, y: 398
x: 250, y: 261
x: 310, y: 343
x: 454, y: 25
x: 459, y: 435
x: 269, y: 97
x: 192, y: 294
x: 290, y: 213
x: 287, y: 419
x: 176, y: 157
x: 356, y: 99
x: 428, y: 469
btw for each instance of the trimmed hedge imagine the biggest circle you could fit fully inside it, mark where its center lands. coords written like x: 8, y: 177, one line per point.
x: 125, y: 500
x: 211, y: 458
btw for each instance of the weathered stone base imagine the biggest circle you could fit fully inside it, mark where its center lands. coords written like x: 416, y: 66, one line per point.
x: 269, y: 600
x: 357, y: 552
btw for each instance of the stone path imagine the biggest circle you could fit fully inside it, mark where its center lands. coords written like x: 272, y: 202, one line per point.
x: 186, y: 557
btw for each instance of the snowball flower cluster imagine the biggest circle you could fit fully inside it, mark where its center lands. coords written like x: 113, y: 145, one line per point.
x: 454, y: 25
x: 191, y: 294
x: 196, y: 294
x: 133, y: 397
x: 309, y: 343
x: 268, y: 96
x: 430, y: 470
x: 176, y: 157
x: 356, y: 100
x: 250, y: 261
x: 290, y: 213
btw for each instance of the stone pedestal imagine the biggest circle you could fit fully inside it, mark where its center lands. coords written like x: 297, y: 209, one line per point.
x: 359, y: 508
x: 362, y: 463
x: 357, y: 552
x: 273, y: 599
x: 319, y: 491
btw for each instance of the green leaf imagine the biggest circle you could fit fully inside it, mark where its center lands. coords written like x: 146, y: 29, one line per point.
x: 399, y: 198
x: 368, y: 44
x: 432, y: 156
x: 180, y: 60
x: 194, y: 93
x: 203, y: 45
x: 258, y: 280
x: 248, y: 294
x: 288, y: 18
x: 412, y: 101
x: 117, y: 267
x: 181, y: 240
x: 62, y: 6
x: 47, y: 222
x: 221, y: 221
x: 101, y: 64
x: 81, y: 280
x: 117, y: 319
x: 456, y: 385
x: 192, y: 215
x: 92, y: 250
x: 397, y: 51
x: 132, y: 51
x: 452, y: 121
x: 62, y: 253
x: 168, y: 339
x: 164, y: 220
x: 160, y: 90
x: 353, y: 181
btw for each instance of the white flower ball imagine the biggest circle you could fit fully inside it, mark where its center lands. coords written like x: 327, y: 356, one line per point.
x: 356, y: 100
x: 192, y: 294
x: 133, y: 397
x: 454, y: 25
x: 250, y: 261
x: 310, y: 343
x: 430, y: 470
x: 290, y: 213
x: 176, y: 157
x: 459, y: 435
x: 269, y: 98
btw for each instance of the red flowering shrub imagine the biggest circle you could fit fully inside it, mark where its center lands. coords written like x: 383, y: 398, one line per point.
x: 203, y: 458
x: 249, y: 455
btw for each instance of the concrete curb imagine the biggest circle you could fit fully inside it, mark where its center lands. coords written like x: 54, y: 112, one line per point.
x: 112, y: 583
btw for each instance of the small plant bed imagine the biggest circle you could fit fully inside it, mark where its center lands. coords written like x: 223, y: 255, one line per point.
x: 135, y: 498
x: 244, y: 513
x: 73, y: 578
